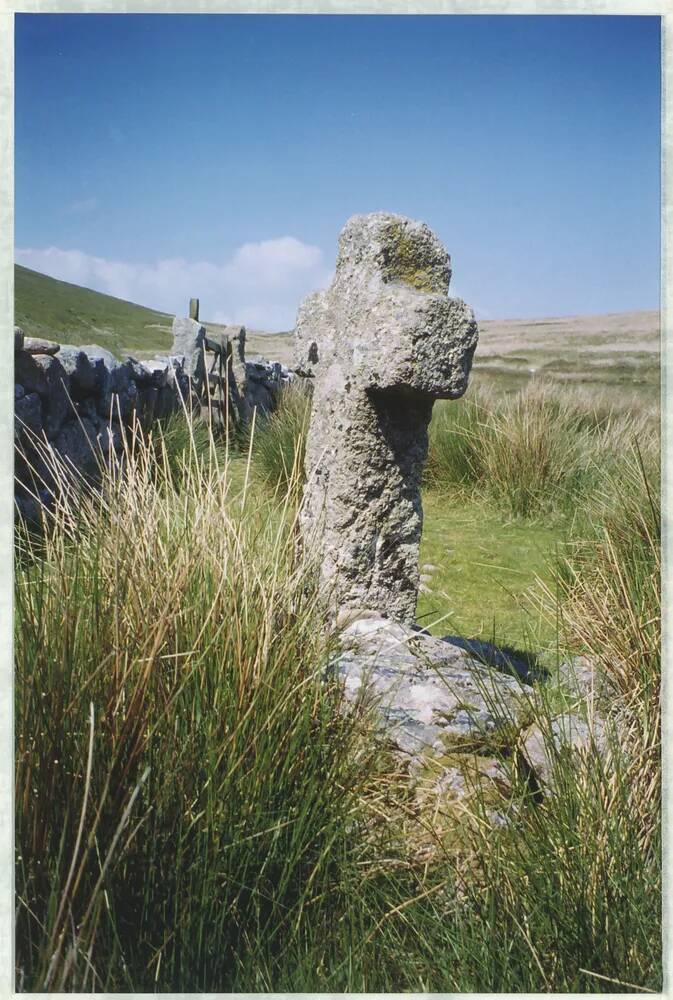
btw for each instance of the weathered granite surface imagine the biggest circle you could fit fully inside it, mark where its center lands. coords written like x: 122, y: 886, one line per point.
x: 463, y: 728
x: 189, y: 343
x: 432, y: 697
x: 382, y: 342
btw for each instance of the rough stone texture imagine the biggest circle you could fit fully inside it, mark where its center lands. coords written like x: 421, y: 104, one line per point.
x: 188, y: 342
x: 28, y: 416
x: 182, y: 386
x: 82, y: 400
x: 158, y: 371
x: 57, y: 405
x: 431, y: 696
x: 36, y: 345
x: 262, y: 380
x: 241, y: 389
x: 140, y: 374
x: 561, y: 739
x: 383, y: 342
x: 123, y: 392
x: 101, y: 359
x: 473, y: 738
x: 78, y: 444
x: 80, y: 369
x: 29, y: 374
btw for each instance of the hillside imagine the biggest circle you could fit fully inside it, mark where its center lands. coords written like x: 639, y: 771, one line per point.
x: 59, y: 310
x: 616, y: 349
x: 613, y: 351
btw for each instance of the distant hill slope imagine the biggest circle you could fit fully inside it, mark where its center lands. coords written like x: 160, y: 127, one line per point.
x: 59, y: 310
x: 618, y: 351
x: 614, y: 351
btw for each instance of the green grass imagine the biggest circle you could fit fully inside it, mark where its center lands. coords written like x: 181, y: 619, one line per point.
x: 617, y: 353
x: 279, y: 441
x: 486, y: 566
x: 68, y: 313
x: 534, y: 452
x: 202, y: 782
x: 570, y: 352
x: 58, y: 310
x: 196, y: 812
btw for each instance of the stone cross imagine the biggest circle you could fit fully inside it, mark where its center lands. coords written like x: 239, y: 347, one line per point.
x: 382, y: 342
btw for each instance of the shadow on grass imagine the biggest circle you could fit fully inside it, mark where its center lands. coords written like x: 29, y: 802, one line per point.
x: 507, y: 659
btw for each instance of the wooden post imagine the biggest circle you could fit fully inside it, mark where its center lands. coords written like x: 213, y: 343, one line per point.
x: 194, y: 309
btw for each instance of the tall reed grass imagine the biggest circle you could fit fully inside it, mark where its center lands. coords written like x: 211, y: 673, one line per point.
x: 185, y: 780
x: 279, y: 442
x: 533, y: 452
x: 197, y: 811
x: 574, y: 886
x: 610, y: 582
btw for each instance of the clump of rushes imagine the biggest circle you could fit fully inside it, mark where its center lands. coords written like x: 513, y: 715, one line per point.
x: 572, y: 887
x: 279, y: 441
x: 533, y: 452
x: 455, y: 439
x: 195, y: 811
x: 185, y: 779
x: 610, y: 583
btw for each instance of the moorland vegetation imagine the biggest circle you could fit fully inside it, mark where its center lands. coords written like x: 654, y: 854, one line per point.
x: 197, y: 809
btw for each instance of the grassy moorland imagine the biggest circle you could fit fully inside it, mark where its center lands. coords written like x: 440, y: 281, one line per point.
x: 196, y: 811
x: 506, y: 483
x: 615, y: 353
x: 59, y: 310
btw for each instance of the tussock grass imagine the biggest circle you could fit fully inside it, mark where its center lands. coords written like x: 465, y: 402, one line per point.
x: 185, y: 780
x: 279, y: 442
x: 610, y: 581
x: 534, y: 452
x: 196, y: 811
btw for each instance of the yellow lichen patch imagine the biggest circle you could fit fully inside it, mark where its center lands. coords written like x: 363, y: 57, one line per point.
x: 403, y: 261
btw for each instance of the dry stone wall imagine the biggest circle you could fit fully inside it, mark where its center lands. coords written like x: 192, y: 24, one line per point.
x: 77, y: 400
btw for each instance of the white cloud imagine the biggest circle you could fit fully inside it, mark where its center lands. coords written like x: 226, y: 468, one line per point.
x: 260, y: 285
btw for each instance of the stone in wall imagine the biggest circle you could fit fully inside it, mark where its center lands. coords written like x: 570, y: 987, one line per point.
x: 56, y: 399
x: 81, y: 371
x: 189, y: 343
x: 36, y: 345
x: 77, y: 399
x: 28, y: 414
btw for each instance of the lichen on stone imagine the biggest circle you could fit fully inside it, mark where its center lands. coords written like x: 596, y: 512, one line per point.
x: 403, y: 261
x: 383, y: 356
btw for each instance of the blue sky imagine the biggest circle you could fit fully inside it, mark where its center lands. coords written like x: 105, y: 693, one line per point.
x: 163, y: 156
